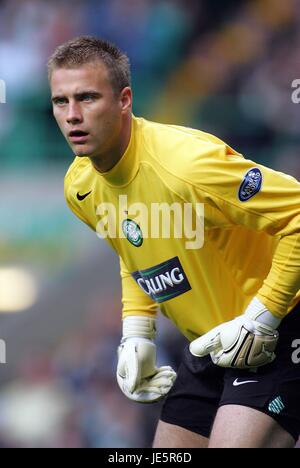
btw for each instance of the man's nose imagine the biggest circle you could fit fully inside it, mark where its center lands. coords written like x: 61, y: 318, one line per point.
x: 74, y: 113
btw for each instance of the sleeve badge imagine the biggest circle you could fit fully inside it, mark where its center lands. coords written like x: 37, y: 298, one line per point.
x: 251, y: 184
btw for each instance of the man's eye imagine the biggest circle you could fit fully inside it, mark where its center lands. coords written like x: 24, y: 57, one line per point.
x: 87, y: 97
x: 59, y: 102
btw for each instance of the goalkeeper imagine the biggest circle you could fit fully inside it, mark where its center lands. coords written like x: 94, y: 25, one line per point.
x: 236, y: 297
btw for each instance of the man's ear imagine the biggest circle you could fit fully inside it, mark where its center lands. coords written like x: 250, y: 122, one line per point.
x: 126, y: 99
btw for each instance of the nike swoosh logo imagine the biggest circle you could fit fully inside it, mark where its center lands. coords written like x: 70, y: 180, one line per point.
x: 236, y: 383
x: 82, y: 197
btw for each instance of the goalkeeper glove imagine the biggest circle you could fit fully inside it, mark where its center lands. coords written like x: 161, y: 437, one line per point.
x: 245, y: 342
x: 137, y: 375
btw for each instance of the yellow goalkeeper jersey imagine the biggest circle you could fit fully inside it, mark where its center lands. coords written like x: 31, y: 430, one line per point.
x: 199, y: 229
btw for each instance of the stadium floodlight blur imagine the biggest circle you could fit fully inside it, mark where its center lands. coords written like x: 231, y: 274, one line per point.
x: 2, y: 92
x: 18, y: 289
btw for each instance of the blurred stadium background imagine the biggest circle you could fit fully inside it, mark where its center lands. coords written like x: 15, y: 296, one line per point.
x: 224, y: 67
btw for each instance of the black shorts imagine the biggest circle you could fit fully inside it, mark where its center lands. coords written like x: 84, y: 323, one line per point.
x: 202, y: 387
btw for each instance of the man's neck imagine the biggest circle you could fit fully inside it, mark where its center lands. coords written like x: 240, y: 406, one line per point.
x: 107, y: 161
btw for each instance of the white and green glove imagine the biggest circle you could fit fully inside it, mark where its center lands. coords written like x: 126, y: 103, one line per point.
x: 245, y: 342
x: 137, y: 375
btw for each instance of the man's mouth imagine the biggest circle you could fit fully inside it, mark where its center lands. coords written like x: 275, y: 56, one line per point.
x: 78, y: 136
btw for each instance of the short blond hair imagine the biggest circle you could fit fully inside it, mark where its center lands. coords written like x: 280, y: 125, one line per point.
x: 87, y: 49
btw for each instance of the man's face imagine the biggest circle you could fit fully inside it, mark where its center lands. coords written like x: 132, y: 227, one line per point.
x: 86, y: 109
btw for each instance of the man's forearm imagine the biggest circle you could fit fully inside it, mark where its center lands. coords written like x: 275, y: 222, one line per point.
x: 283, y: 281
